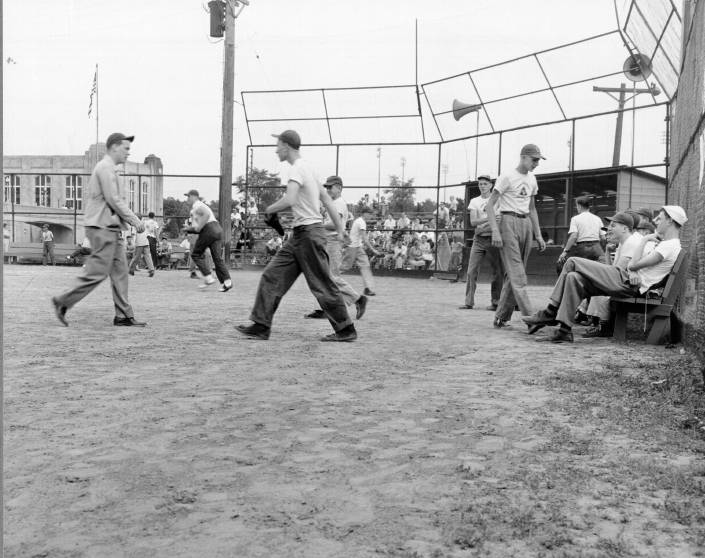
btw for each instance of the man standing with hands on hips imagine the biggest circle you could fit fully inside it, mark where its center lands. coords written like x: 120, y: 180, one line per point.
x: 514, y: 195
x: 105, y: 217
x: 305, y: 252
x: 482, y: 247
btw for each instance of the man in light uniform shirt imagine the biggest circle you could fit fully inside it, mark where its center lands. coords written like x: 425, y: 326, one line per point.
x: 305, y: 252
x: 334, y: 247
x: 210, y: 235
x: 151, y: 227
x: 584, y: 235
x: 514, y: 194
x: 482, y: 248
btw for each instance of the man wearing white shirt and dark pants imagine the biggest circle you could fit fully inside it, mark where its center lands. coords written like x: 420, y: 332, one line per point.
x: 305, y: 252
x: 584, y: 235
x: 482, y: 248
x: 581, y: 278
x: 513, y: 195
x: 210, y: 235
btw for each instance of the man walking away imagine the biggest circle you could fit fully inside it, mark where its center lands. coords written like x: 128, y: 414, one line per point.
x: 105, y: 217
x: 355, y: 253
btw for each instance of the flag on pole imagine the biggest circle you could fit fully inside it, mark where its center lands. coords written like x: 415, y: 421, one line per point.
x: 94, y: 89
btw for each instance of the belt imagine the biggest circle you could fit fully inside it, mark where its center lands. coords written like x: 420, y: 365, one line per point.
x: 519, y: 215
x: 587, y: 241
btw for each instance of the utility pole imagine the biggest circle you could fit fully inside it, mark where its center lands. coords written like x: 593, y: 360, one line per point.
x: 621, y: 100
x: 403, y: 164
x: 379, y: 173
x: 226, y: 138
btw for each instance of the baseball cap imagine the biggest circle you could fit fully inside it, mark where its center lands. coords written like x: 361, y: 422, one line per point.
x: 289, y: 137
x: 622, y: 218
x: 485, y: 177
x: 644, y: 212
x: 646, y: 225
x: 675, y: 212
x: 333, y: 181
x: 532, y: 150
x: 192, y: 193
x: 117, y: 137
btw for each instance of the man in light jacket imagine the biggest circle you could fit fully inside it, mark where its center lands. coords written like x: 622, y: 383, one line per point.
x: 106, y: 216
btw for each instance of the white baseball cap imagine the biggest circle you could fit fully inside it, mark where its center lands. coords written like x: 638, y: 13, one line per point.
x: 675, y: 212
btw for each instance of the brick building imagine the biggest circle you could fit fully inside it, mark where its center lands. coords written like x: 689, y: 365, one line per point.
x: 687, y: 157
x: 49, y: 189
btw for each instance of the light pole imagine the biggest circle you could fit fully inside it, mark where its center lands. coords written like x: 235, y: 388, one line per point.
x: 403, y: 164
x: 379, y: 173
x: 444, y: 169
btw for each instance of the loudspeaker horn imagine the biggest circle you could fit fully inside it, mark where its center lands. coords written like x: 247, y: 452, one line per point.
x: 637, y: 67
x: 460, y: 109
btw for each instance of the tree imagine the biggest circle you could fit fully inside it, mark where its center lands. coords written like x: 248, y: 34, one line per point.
x: 400, y: 195
x: 175, y: 214
x: 263, y: 186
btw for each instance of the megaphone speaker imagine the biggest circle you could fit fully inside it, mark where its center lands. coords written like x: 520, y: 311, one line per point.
x: 460, y: 109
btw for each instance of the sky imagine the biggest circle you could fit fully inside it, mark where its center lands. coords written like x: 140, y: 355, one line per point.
x: 160, y: 77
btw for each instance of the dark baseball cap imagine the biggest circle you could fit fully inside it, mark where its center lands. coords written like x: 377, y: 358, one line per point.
x: 117, y: 137
x: 532, y: 150
x: 192, y: 193
x: 289, y: 137
x: 333, y: 181
x: 622, y: 218
x: 484, y: 177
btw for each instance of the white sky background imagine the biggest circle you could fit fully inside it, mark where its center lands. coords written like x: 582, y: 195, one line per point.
x: 160, y: 75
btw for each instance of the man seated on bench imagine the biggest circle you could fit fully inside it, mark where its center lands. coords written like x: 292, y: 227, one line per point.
x: 84, y: 249
x: 581, y: 278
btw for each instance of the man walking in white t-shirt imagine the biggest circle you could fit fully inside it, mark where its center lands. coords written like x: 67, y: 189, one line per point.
x: 482, y: 248
x: 305, y: 252
x: 581, y: 278
x: 584, y: 235
x: 334, y: 247
x: 210, y: 235
x: 355, y: 253
x: 514, y: 196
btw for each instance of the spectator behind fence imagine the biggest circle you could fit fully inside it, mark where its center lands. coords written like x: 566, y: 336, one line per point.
x: 47, y: 246
x: 581, y: 277
x: 164, y: 251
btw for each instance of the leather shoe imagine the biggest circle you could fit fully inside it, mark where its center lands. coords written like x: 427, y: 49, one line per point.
x: 254, y: 331
x: 558, y: 335
x: 368, y: 292
x: 360, y: 306
x: 128, y: 322
x: 542, y: 318
x: 60, y: 311
x: 465, y: 307
x: 316, y: 315
x: 491, y: 307
x: 346, y: 334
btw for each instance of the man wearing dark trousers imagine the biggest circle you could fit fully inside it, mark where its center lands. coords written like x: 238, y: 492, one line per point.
x: 482, y: 248
x: 305, y: 252
x: 210, y: 235
x: 106, y: 216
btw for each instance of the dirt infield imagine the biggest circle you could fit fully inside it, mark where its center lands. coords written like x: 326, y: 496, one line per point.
x: 434, y: 435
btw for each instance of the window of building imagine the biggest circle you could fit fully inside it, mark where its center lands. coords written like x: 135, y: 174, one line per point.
x: 74, y: 191
x: 131, y: 195
x: 42, y: 190
x: 145, y: 197
x: 12, y: 188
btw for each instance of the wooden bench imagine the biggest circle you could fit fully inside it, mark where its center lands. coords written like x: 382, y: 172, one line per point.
x: 32, y: 251
x: 656, y: 305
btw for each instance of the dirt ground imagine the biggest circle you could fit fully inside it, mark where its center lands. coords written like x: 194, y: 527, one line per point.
x: 434, y: 435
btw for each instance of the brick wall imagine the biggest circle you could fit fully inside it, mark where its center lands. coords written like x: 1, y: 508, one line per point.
x: 687, y: 185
